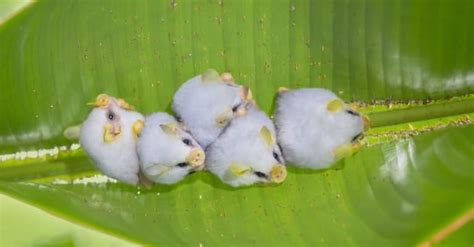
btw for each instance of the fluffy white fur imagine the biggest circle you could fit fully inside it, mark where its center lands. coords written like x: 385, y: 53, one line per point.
x: 241, y: 143
x: 161, y: 152
x: 199, y: 103
x: 308, y: 133
x: 117, y: 159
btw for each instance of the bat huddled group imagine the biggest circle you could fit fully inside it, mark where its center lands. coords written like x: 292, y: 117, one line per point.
x: 219, y: 128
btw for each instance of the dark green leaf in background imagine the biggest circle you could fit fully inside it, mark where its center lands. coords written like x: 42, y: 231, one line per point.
x: 58, y: 55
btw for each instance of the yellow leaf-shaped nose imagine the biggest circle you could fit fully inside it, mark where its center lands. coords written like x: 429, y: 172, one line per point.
x: 196, y: 158
x: 347, y: 150
x: 278, y: 173
x: 111, y: 133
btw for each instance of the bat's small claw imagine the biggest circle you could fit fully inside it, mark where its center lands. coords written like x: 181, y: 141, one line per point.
x: 283, y: 89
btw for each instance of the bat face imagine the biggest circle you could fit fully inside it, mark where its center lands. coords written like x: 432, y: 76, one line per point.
x: 109, y: 137
x: 347, y: 121
x: 316, y: 128
x: 113, y: 120
x: 167, y: 151
x: 208, y: 102
x: 351, y: 125
x: 247, y: 152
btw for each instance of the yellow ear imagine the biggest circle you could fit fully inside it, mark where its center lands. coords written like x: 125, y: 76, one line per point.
x: 245, y: 93
x: 137, y: 127
x: 210, y: 75
x: 170, y: 128
x: 335, y: 105
x: 157, y: 170
x: 239, y: 170
x: 124, y: 104
x: 102, y: 100
x: 267, y: 136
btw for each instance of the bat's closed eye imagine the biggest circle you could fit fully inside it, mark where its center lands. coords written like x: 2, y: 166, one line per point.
x: 352, y: 112
x: 183, y: 164
x: 261, y: 174
x: 187, y: 142
x: 356, y: 137
x: 234, y: 108
x: 276, y: 156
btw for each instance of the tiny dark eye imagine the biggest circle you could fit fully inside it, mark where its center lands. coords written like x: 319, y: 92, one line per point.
x: 183, y: 164
x: 352, y: 112
x: 276, y: 156
x: 187, y: 141
x: 111, y: 116
x: 261, y: 174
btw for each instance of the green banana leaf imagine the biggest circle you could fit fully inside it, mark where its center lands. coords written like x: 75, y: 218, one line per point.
x: 44, y: 229
x: 57, y: 55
